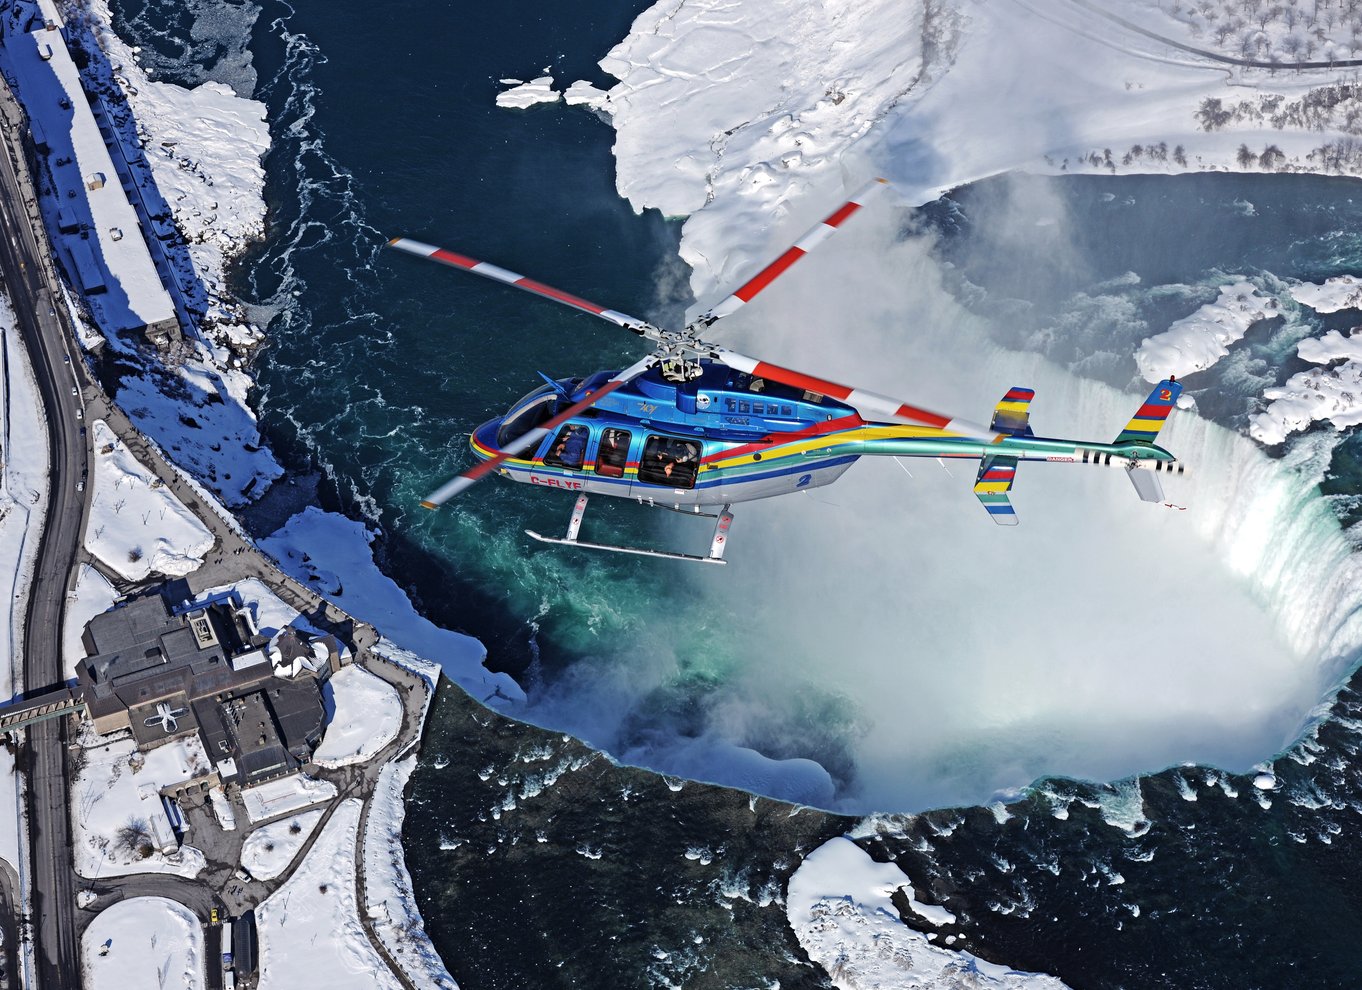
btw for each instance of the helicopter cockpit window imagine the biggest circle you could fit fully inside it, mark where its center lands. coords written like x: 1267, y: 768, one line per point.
x: 568, y: 449
x: 613, y: 454
x: 526, y: 414
x: 669, y: 461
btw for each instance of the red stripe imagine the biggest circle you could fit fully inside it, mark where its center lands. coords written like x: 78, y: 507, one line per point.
x: 923, y: 416
x: 1152, y: 410
x: 769, y: 274
x: 450, y: 258
x: 776, y: 439
x: 798, y: 379
x: 1019, y: 395
x: 842, y: 214
x: 558, y: 294
x: 999, y: 474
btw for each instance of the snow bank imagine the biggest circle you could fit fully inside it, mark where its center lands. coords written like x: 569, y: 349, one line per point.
x: 1196, y: 342
x: 93, y: 595
x: 737, y: 115
x: 839, y: 907
x: 1333, y: 393
x: 309, y: 929
x: 151, y: 942
x: 115, y: 801
x: 1334, y: 294
x: 332, y: 554
x: 521, y: 96
x: 12, y: 813
x: 137, y: 526
x: 285, y: 794
x: 270, y: 849
x: 388, y: 897
x: 363, y: 714
x: 23, y: 493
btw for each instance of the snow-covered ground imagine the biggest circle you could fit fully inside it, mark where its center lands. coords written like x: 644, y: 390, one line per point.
x: 331, y: 554
x: 1196, y: 342
x: 23, y: 493
x: 93, y: 594
x: 117, y: 812
x: 1332, y: 392
x: 363, y: 714
x: 318, y: 907
x: 137, y: 526
x: 388, y: 896
x: 285, y: 794
x: 269, y: 850
x: 12, y: 816
x: 839, y: 907
x: 1330, y: 296
x: 150, y: 942
x: 737, y: 115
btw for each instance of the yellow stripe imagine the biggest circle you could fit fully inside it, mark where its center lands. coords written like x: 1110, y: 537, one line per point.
x: 993, y: 487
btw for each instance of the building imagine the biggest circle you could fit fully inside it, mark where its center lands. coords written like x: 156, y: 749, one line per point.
x: 206, y: 669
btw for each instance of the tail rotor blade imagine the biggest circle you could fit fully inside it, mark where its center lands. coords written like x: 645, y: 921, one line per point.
x: 811, y: 239
x: 488, y: 270
x: 871, y: 405
x: 532, y: 438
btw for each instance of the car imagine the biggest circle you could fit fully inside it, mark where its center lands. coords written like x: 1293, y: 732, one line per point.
x: 80, y: 486
x: 213, y: 916
x: 66, y: 358
x: 79, y: 414
x: 51, y: 311
x: 74, y: 390
x: 82, y: 431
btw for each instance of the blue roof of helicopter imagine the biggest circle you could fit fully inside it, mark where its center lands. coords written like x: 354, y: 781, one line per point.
x: 720, y: 403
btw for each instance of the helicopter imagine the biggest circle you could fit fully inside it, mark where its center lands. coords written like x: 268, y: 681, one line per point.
x: 696, y: 427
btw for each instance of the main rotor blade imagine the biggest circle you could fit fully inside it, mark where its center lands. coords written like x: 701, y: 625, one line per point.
x: 481, y: 470
x: 811, y: 239
x: 488, y: 270
x: 871, y: 405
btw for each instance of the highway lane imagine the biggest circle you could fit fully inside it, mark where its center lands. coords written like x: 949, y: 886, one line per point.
x: 23, y: 250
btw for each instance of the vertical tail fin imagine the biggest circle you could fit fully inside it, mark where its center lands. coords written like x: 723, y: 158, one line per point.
x: 996, y: 475
x: 1013, y: 413
x: 1147, y: 422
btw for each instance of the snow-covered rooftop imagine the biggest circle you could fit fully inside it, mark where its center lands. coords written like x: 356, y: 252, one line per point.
x: 88, y: 187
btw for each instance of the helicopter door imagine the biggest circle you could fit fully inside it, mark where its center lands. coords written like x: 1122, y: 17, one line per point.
x: 613, y: 453
x: 670, y: 462
x: 568, y: 449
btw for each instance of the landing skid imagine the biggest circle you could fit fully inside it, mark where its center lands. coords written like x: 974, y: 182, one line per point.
x: 717, y: 545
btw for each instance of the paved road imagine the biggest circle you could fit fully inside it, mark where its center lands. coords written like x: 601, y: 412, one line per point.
x: 23, y: 254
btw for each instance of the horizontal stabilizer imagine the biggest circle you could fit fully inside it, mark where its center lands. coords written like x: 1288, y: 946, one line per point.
x: 996, y: 475
x: 1012, y: 415
x: 1145, y: 425
x: 1146, y: 484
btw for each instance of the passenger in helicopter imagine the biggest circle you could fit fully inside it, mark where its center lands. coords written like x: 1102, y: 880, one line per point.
x: 569, y: 449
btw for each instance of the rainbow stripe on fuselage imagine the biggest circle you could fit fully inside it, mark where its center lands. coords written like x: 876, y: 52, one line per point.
x: 735, y: 468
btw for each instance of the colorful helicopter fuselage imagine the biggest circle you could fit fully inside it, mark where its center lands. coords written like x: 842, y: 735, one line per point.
x: 727, y: 437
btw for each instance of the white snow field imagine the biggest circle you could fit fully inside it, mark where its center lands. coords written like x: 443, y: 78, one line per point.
x: 13, y: 818
x: 137, y: 526
x: 116, y: 808
x: 1330, y: 296
x: 93, y: 595
x: 331, y: 554
x: 363, y: 714
x: 151, y: 942
x: 23, y: 493
x: 317, y: 911
x: 269, y: 849
x: 1196, y: 342
x: 839, y: 907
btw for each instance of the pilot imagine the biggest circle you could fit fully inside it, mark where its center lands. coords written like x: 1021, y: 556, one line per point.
x: 573, y: 448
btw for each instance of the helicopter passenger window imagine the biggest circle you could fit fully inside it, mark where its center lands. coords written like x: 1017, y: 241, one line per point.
x: 568, y: 448
x: 613, y: 453
x: 669, y: 461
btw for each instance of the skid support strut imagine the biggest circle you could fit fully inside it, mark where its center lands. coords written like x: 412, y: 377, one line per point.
x: 717, y: 544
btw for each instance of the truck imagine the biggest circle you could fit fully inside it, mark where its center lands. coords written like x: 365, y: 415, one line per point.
x: 227, y: 946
